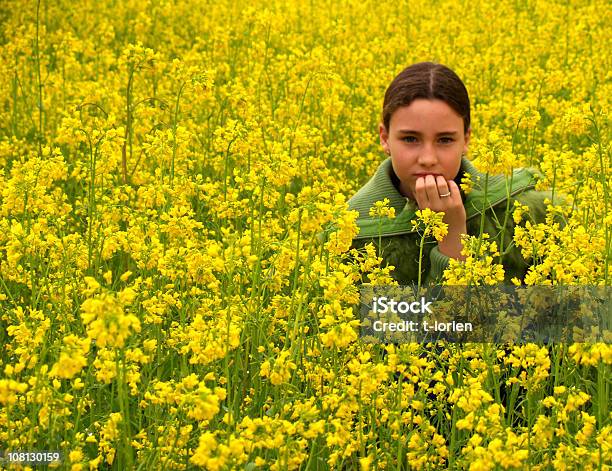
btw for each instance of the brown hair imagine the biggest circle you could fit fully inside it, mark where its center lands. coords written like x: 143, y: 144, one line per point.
x: 430, y: 81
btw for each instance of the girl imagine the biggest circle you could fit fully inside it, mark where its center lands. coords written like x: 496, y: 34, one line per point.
x: 425, y: 131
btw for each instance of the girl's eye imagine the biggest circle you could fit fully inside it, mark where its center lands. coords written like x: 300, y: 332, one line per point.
x: 444, y: 140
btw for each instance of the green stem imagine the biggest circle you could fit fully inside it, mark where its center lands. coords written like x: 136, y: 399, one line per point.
x: 422, y: 243
x: 506, y: 214
x: 92, y: 202
x: 482, y: 214
x: 41, y: 132
x: 124, y: 409
x: 296, y: 272
x: 604, y: 183
x: 174, y: 125
x: 128, y: 127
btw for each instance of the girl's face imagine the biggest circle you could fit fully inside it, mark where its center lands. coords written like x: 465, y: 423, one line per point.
x: 424, y: 138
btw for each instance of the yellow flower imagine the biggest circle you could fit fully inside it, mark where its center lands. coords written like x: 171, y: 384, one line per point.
x: 10, y: 390
x: 72, y: 357
x: 280, y: 371
x: 381, y: 209
x: 575, y: 120
x: 106, y: 321
x: 204, y: 454
x: 430, y: 222
x: 467, y: 183
x: 479, y: 267
x: 365, y: 463
x: 493, y: 154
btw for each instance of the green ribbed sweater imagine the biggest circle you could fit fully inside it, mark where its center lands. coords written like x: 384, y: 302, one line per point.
x: 400, y: 244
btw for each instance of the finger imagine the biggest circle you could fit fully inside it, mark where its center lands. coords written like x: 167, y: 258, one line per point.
x: 420, y: 193
x: 443, y: 188
x: 455, y: 195
x: 431, y: 188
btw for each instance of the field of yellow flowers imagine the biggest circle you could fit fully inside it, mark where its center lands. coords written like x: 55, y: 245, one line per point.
x: 165, y: 168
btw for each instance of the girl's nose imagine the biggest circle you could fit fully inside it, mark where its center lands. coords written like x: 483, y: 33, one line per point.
x: 428, y: 157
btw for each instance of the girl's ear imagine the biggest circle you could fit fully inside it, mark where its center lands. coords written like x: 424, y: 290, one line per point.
x: 384, y: 138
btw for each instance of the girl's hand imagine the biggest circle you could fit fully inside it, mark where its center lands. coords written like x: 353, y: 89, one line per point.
x: 427, y: 192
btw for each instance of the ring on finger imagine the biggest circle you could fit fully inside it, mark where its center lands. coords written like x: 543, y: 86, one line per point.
x: 445, y: 195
